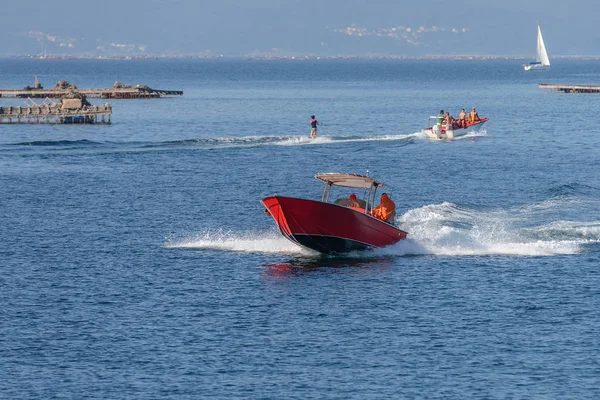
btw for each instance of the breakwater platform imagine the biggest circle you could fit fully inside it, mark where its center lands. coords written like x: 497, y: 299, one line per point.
x: 74, y: 110
x: 117, y: 91
x: 571, y: 88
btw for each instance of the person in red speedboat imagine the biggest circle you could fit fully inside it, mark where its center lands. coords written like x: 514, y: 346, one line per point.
x: 353, y: 200
x: 386, y: 210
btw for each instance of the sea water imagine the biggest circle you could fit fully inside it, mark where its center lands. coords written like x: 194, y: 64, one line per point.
x: 136, y: 260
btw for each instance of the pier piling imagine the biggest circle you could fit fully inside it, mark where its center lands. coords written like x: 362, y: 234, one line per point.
x: 68, y: 111
x: 571, y: 88
x: 117, y: 91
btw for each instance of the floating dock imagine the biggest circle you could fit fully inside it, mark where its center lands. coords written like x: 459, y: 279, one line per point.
x: 63, y: 88
x: 68, y: 111
x: 571, y: 88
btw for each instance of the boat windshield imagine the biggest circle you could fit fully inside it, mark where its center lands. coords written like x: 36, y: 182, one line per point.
x: 431, y: 121
x: 353, y: 181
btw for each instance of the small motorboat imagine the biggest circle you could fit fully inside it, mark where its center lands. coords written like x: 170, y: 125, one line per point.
x: 434, y: 131
x: 338, y: 227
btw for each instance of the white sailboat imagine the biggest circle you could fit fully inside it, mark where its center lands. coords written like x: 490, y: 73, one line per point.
x: 541, y: 58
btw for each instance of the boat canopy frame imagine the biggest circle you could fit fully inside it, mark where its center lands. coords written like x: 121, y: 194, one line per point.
x: 353, y: 181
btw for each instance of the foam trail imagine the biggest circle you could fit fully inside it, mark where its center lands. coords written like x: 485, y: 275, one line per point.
x: 256, y: 141
x: 246, y: 242
x: 446, y: 229
x: 304, y: 140
x: 472, y: 135
x: 58, y: 143
x: 218, y: 143
x: 479, y: 133
x: 444, y: 248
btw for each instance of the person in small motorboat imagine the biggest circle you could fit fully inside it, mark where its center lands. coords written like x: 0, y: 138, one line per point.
x: 462, y: 118
x: 386, y: 210
x: 440, y: 118
x: 448, y: 120
x: 313, y: 127
x: 473, y: 116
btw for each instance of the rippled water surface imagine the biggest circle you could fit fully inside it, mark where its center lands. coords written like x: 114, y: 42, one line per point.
x: 136, y: 260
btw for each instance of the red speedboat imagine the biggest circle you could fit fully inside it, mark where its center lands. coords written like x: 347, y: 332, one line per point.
x: 338, y: 227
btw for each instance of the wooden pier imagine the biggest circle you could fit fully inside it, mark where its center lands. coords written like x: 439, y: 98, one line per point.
x: 571, y: 88
x: 68, y: 111
x: 62, y: 88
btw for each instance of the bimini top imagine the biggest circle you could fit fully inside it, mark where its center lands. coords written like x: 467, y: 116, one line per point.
x: 349, y: 180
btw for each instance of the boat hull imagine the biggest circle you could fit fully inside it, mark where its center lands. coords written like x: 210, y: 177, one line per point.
x: 536, y: 67
x: 444, y: 133
x: 329, y: 228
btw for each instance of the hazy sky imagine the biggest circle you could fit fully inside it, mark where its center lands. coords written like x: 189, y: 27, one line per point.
x: 240, y: 27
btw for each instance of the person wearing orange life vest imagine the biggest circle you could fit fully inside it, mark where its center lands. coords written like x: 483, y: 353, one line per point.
x: 386, y: 210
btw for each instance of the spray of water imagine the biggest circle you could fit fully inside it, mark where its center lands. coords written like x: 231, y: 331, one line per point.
x: 443, y: 229
x: 248, y: 242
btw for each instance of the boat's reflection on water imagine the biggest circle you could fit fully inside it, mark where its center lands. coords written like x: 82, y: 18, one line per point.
x: 301, y: 266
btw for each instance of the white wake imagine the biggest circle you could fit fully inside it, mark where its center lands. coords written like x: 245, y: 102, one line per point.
x: 441, y: 229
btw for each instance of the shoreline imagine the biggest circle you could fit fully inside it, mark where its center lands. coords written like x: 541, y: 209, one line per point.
x: 269, y: 57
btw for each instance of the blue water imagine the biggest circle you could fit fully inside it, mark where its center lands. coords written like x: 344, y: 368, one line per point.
x: 136, y: 261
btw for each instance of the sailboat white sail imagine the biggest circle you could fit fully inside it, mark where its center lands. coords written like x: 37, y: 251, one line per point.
x: 541, y: 58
